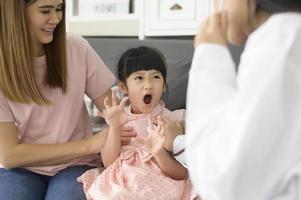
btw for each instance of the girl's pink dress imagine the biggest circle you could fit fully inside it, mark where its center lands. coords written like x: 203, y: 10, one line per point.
x: 135, y: 175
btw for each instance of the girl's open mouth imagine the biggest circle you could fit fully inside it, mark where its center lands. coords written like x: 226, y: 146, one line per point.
x: 147, y: 99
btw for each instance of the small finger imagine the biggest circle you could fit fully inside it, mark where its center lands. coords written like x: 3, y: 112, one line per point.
x: 125, y: 142
x: 149, y: 122
x: 165, y: 119
x: 114, y: 98
x: 101, y: 113
x: 158, y: 128
x: 149, y: 130
x: 224, y: 21
x: 206, y: 23
x: 128, y: 133
x: 126, y: 139
x: 218, y: 19
x: 161, y: 120
x: 107, y: 103
x: 124, y: 101
x: 126, y: 128
x: 162, y: 132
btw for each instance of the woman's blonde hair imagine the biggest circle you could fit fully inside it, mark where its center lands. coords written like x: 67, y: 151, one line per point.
x: 17, y: 71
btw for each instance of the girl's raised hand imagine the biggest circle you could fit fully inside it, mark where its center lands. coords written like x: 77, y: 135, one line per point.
x: 114, y: 112
x: 155, y: 140
x: 213, y: 30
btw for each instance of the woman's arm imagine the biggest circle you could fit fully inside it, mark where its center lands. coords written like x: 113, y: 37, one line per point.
x: 170, y: 166
x: 112, y: 147
x: 99, y: 101
x: 13, y: 153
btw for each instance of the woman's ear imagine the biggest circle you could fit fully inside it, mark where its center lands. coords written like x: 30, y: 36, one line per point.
x: 122, y: 87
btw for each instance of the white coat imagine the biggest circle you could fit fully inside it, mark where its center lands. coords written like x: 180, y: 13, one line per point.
x: 243, y: 130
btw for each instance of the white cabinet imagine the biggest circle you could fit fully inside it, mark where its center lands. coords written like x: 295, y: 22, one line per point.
x: 139, y: 18
x: 174, y: 17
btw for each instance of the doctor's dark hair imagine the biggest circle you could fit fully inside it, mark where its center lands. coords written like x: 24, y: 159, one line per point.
x: 277, y: 6
x: 140, y: 58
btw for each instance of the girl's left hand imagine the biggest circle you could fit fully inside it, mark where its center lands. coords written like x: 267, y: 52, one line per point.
x: 155, y: 140
x: 213, y: 30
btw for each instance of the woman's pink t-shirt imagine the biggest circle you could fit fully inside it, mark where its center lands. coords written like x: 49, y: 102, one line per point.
x: 66, y: 119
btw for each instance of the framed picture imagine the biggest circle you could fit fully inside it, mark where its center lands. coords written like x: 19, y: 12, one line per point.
x: 88, y: 8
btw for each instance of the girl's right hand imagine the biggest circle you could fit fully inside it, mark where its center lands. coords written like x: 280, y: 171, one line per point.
x: 114, y: 113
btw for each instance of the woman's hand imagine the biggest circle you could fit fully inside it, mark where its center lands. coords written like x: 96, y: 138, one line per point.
x: 127, y: 134
x: 95, y: 143
x: 213, y: 30
x: 114, y: 114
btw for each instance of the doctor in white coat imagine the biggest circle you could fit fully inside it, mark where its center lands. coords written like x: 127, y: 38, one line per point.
x: 243, y: 128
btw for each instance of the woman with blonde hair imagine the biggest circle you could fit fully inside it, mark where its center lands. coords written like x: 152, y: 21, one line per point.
x: 46, y: 141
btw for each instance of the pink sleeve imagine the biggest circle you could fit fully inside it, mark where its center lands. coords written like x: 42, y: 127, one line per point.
x: 5, y: 111
x: 99, y: 77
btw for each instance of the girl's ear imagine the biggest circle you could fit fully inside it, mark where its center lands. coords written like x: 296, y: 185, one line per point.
x: 164, y: 87
x: 122, y: 87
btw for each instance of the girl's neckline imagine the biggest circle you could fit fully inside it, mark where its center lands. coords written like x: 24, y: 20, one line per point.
x: 156, y: 111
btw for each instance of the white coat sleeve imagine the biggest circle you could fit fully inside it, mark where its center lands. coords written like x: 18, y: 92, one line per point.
x: 179, y: 147
x: 243, y: 132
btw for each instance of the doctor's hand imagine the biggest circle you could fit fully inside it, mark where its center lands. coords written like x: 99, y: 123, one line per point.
x: 171, y: 130
x: 213, y: 30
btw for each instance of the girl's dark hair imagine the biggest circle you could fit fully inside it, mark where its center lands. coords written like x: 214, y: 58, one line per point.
x: 140, y: 58
x: 280, y: 5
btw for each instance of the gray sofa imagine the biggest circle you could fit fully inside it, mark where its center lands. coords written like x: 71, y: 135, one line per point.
x: 178, y: 53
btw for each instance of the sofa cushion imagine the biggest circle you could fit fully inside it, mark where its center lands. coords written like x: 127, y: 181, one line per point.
x: 177, y: 78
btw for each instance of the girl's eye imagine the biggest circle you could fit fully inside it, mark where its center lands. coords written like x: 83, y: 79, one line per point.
x: 45, y: 11
x: 138, y: 78
x: 157, y: 77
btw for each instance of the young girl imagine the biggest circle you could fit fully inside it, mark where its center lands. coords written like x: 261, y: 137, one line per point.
x: 143, y: 169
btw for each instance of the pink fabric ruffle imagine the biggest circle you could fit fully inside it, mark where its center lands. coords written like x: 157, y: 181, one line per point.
x: 134, y: 176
